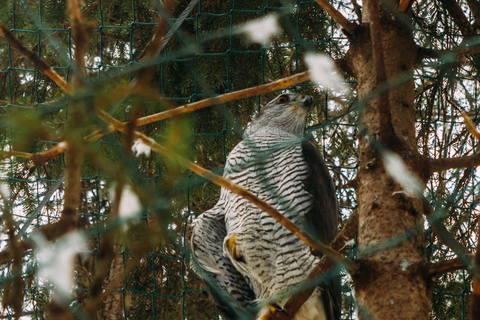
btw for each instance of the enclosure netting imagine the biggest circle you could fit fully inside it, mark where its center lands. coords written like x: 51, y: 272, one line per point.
x: 208, y: 56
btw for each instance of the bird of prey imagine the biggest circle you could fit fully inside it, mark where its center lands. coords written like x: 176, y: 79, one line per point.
x: 250, y: 262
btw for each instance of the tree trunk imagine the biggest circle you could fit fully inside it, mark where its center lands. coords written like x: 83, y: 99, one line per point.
x: 113, y: 308
x: 390, y: 284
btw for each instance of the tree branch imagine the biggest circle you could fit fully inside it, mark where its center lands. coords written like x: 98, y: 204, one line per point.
x: 337, y: 16
x: 464, y: 50
x: 37, y: 62
x: 227, y: 97
x: 339, y: 244
x: 447, y: 238
x: 42, y: 157
x: 458, y: 15
x: 316, y: 245
x: 358, y: 10
x: 403, y: 5
x: 437, y: 269
x: 437, y: 165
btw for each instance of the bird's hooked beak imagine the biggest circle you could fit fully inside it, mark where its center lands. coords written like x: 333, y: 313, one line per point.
x: 306, y: 102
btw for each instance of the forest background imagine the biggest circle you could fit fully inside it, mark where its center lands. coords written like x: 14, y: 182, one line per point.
x: 138, y: 267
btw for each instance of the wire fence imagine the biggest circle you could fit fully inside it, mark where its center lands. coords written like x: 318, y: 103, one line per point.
x: 207, y: 56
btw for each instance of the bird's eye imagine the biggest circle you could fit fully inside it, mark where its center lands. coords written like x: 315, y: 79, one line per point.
x: 282, y: 99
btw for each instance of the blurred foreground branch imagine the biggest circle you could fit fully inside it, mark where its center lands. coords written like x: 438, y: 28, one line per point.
x: 316, y: 245
x: 339, y: 244
x: 438, y: 269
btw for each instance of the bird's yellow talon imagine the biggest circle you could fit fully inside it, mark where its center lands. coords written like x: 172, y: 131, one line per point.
x: 234, y: 249
x: 269, y: 313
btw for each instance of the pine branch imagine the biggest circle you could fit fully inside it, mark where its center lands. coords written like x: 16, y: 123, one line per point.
x: 447, y: 238
x: 438, y: 165
x: 358, y: 10
x: 337, y: 16
x: 437, y: 269
x: 460, y: 162
x: 187, y: 108
x: 316, y: 245
x: 462, y: 50
x: 35, y: 59
x: 459, y: 17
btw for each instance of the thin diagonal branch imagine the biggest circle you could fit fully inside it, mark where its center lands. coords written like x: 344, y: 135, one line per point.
x: 438, y: 269
x: 187, y: 108
x: 447, y: 238
x: 403, y: 5
x: 316, y: 245
x: 35, y: 59
x: 358, y: 10
x: 227, y: 97
x: 458, y: 15
x: 339, y: 244
x: 461, y: 50
x: 438, y: 165
x: 460, y: 162
x: 337, y: 16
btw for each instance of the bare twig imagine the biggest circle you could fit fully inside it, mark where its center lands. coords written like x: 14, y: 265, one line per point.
x: 33, y: 57
x: 447, y: 238
x: 358, y: 10
x: 403, y: 5
x: 438, y: 269
x: 339, y: 244
x: 231, y: 96
x: 458, y: 15
x: 5, y: 154
x: 437, y: 54
x: 337, y: 16
x: 461, y: 162
x: 437, y: 165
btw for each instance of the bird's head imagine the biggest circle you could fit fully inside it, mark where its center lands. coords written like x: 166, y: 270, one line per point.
x: 287, y: 112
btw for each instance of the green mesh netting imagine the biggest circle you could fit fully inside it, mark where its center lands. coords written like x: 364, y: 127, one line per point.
x: 205, y: 58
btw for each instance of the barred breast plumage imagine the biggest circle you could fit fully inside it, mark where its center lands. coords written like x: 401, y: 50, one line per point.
x: 269, y: 164
x: 243, y: 253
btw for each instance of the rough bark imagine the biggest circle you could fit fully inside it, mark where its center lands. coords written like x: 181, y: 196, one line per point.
x: 113, y: 308
x: 385, y: 287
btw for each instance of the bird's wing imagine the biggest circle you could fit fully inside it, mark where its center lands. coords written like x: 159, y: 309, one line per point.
x: 227, y: 287
x: 323, y: 218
